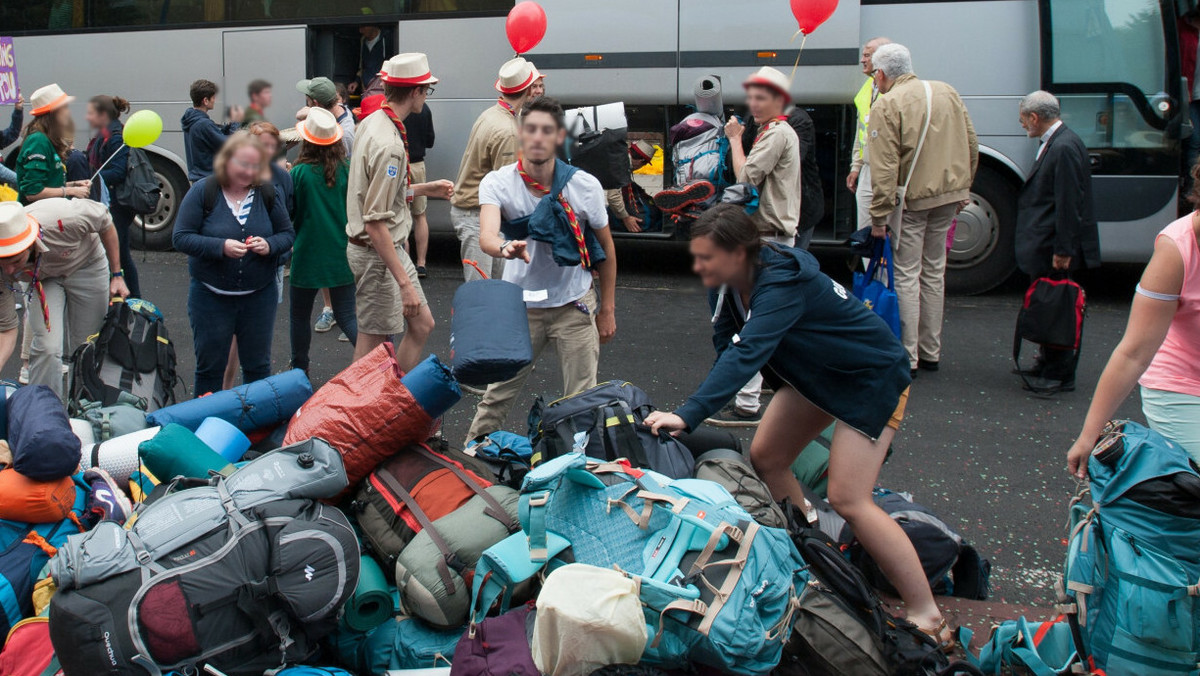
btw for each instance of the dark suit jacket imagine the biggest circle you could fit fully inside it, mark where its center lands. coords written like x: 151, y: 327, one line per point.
x: 1054, y: 210
x: 812, y: 197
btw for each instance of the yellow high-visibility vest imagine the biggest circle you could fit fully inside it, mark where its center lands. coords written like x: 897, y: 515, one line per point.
x: 862, y: 103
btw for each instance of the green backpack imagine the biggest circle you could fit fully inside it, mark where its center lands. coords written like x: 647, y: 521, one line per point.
x: 127, y: 415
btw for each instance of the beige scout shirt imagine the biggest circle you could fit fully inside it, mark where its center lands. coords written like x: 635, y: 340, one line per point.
x: 773, y: 166
x: 491, y: 145
x: 377, y: 189
x: 70, y: 232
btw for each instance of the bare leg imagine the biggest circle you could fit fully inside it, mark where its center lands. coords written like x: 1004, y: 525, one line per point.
x: 788, y: 425
x: 231, y: 367
x: 325, y: 297
x: 366, y: 343
x: 410, y: 350
x: 421, y: 235
x: 854, y: 462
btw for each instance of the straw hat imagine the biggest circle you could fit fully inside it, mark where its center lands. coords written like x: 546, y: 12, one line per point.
x: 48, y: 99
x: 642, y: 150
x: 770, y: 78
x: 320, y: 127
x: 410, y: 69
x: 515, y: 76
x: 537, y: 74
x: 18, y: 230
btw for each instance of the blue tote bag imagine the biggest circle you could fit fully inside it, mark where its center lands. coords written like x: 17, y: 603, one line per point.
x: 876, y: 288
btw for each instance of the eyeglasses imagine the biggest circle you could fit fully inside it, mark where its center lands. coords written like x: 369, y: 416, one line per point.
x: 429, y: 91
x: 244, y: 164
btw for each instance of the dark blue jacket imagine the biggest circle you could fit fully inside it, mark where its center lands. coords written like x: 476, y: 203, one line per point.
x: 106, y: 142
x: 202, y: 138
x: 9, y: 136
x: 808, y: 331
x: 548, y: 223
x: 202, y: 237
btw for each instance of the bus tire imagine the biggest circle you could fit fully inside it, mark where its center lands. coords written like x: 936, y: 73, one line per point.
x: 983, y: 256
x: 152, y: 232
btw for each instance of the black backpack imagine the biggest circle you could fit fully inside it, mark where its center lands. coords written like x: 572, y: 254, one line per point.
x: 131, y: 353
x: 841, y: 626
x: 140, y: 191
x: 1052, y: 314
x: 612, y: 414
x: 601, y: 153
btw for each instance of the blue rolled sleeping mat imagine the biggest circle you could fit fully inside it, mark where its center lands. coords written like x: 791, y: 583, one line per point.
x: 433, y: 386
x: 263, y: 403
x: 489, y: 332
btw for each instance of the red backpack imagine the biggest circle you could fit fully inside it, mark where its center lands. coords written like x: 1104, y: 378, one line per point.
x: 27, y: 651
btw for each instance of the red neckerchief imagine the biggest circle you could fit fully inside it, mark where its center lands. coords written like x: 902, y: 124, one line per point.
x: 572, y: 220
x: 387, y: 110
x: 762, y: 132
x: 506, y: 106
x: 258, y: 109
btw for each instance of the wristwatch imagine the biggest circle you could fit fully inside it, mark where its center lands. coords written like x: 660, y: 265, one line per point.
x: 118, y: 273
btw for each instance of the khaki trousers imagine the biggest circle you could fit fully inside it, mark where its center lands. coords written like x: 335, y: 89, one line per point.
x: 577, y: 341
x: 77, y: 305
x: 921, y: 279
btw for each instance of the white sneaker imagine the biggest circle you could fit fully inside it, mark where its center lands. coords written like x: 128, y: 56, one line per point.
x: 23, y: 378
x: 325, y: 322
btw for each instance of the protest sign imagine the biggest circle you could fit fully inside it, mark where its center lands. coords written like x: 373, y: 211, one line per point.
x: 8, y: 72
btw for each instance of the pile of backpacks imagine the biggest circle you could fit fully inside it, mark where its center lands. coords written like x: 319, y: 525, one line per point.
x: 273, y: 529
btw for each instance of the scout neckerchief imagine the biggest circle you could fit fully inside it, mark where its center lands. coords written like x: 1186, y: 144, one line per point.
x: 506, y: 106
x: 387, y: 110
x: 35, y: 286
x: 572, y: 220
x: 763, y: 132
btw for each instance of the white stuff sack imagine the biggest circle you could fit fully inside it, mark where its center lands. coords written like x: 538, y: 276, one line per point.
x: 587, y: 618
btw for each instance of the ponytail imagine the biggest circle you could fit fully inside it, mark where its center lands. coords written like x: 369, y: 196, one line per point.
x: 112, y: 106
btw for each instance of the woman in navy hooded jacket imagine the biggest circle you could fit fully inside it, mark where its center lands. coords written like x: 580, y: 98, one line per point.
x: 233, y: 244
x: 828, y: 358
x: 104, y: 115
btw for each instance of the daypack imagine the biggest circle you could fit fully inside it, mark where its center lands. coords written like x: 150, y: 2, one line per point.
x: 140, y: 191
x: 498, y: 646
x: 506, y: 455
x: 682, y: 540
x: 1020, y: 646
x: 132, y: 353
x: 700, y: 151
x: 603, y: 153
x: 1052, y: 314
x: 244, y: 573
x: 27, y: 650
x: 399, y: 643
x: 1133, y: 558
x: 953, y: 567
x: 732, y: 470
x: 126, y: 416
x: 428, y: 516
x: 606, y: 422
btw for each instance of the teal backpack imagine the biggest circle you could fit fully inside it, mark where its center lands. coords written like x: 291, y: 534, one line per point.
x: 1019, y: 646
x: 400, y: 643
x: 1133, y: 560
x: 718, y: 589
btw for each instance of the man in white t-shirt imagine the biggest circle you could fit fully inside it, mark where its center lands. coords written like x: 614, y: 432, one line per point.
x: 561, y: 304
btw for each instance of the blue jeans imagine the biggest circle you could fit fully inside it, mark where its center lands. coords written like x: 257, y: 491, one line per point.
x: 216, y: 319
x: 8, y: 176
x: 302, y: 301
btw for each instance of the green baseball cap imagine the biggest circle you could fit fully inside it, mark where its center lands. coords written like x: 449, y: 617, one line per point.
x: 320, y: 89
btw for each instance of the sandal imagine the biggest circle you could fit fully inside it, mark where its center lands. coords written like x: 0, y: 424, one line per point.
x: 942, y: 635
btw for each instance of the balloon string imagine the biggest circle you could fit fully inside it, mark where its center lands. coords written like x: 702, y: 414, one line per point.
x: 792, y: 78
x: 110, y: 157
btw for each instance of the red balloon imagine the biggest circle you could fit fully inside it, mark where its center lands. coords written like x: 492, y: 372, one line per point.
x: 526, y: 26
x: 811, y: 13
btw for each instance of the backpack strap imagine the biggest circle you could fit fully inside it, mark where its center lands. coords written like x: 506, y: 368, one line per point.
x: 494, y: 508
x: 620, y: 433
x: 449, y: 558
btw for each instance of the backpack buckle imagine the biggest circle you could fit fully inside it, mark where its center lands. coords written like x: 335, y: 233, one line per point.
x: 540, y: 500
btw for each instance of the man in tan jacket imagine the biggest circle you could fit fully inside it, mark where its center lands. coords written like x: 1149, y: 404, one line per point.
x: 938, y: 187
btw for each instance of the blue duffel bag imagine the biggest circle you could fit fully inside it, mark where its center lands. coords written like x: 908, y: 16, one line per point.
x: 489, y: 333
x: 253, y: 406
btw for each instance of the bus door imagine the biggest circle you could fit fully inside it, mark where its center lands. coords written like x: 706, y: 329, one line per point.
x: 277, y: 55
x: 1114, y: 64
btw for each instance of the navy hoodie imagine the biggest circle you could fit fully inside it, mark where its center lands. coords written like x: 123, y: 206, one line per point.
x: 806, y: 330
x: 202, y: 138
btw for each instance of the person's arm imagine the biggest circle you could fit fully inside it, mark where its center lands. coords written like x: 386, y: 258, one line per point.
x: 189, y: 220
x: 378, y: 208
x: 883, y: 145
x: 10, y: 135
x: 112, y: 251
x: 856, y: 155
x: 114, y: 172
x: 1069, y: 174
x: 606, y: 317
x: 440, y: 189
x: 1149, y: 321
x: 737, y: 152
x: 34, y: 169
x: 616, y: 202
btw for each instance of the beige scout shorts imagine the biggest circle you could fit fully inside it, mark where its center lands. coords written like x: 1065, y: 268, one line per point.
x: 377, y: 299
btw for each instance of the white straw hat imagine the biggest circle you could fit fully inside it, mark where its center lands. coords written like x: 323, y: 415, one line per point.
x: 410, y: 69
x: 516, y: 75
x: 48, y: 99
x: 770, y: 78
x: 18, y: 230
x: 320, y: 127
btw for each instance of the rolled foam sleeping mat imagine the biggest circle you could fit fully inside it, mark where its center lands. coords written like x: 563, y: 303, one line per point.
x: 118, y: 456
x: 489, y: 332
x: 263, y: 403
x: 83, y: 429
x: 371, y: 605
x: 224, y: 438
x: 707, y: 93
x: 433, y: 386
x: 177, y: 451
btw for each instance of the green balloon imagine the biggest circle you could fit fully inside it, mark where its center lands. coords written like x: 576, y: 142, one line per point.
x: 142, y: 128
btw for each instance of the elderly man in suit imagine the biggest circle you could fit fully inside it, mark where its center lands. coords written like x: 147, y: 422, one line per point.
x: 1056, y: 230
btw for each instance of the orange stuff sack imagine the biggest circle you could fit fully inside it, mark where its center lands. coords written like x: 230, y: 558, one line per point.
x: 365, y: 413
x: 23, y: 499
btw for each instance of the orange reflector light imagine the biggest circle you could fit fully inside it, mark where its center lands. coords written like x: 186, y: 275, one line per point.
x: 594, y: 57
x: 767, y: 55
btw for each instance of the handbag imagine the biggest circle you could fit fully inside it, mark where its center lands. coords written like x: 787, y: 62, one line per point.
x: 1051, y: 315
x: 876, y: 288
x: 897, y: 215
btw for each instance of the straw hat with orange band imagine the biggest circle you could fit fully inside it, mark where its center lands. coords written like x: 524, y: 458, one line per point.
x: 20, y: 232
x: 320, y: 128
x: 48, y: 99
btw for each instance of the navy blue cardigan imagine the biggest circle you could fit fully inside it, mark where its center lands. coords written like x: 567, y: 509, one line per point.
x: 810, y: 332
x: 203, y: 237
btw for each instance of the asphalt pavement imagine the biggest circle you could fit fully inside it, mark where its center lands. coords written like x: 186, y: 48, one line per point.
x: 984, y: 455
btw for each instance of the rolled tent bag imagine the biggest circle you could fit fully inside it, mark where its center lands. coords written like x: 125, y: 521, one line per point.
x: 433, y: 386
x: 44, y: 448
x: 262, y: 403
x: 364, y: 412
x: 371, y: 604
x: 177, y: 451
x: 489, y: 332
x: 118, y: 456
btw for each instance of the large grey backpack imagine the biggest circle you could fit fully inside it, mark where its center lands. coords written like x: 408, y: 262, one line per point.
x: 244, y: 573
x: 733, y: 470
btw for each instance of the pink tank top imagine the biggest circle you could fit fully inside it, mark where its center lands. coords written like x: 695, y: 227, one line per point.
x: 1176, y: 367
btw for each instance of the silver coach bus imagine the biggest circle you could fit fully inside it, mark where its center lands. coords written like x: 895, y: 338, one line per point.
x: 1114, y: 63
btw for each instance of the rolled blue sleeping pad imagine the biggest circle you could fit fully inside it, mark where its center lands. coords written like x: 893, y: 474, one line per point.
x: 433, y: 386
x: 489, y: 332
x: 263, y: 403
x: 224, y: 438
